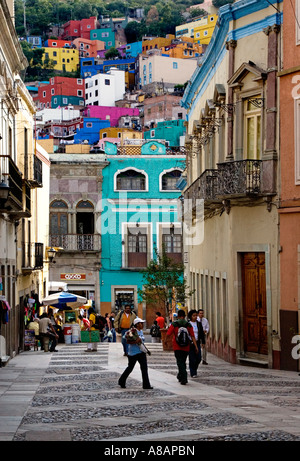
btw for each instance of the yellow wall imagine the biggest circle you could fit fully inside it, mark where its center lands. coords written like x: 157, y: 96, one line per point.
x: 63, y: 57
x: 207, y: 29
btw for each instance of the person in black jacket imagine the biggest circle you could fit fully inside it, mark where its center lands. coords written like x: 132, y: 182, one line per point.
x: 194, y: 355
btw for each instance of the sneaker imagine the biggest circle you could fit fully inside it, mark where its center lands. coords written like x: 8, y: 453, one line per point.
x: 183, y: 382
x: 204, y: 363
x: 194, y: 376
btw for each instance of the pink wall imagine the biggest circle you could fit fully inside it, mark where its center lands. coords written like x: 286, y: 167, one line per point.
x: 113, y: 112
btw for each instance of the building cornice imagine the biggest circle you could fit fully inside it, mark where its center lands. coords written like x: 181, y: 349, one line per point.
x: 216, y: 50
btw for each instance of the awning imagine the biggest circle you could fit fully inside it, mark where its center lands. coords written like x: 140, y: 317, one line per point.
x: 80, y: 287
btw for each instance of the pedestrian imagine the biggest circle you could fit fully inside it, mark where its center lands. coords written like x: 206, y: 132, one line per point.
x: 83, y: 322
x: 160, y: 320
x: 205, y: 325
x: 113, y: 330
x: 123, y: 322
x: 181, y: 352
x: 34, y: 325
x: 135, y: 354
x: 155, y: 332
x: 194, y: 356
x: 108, y: 327
x: 92, y: 347
x: 47, y: 331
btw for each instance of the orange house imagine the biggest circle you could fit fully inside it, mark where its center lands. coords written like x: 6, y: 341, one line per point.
x: 183, y: 50
x: 289, y: 206
x: 156, y: 43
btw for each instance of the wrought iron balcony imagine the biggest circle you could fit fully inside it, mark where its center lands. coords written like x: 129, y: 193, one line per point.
x: 204, y: 188
x: 239, y: 178
x: 36, y: 178
x: 76, y: 242
x: 18, y: 203
x: 32, y: 256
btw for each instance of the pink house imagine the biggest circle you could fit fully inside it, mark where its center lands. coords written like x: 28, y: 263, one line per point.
x: 110, y: 113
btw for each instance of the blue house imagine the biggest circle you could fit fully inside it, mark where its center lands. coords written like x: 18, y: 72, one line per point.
x: 90, y: 130
x: 139, y: 215
x: 134, y: 49
x: 35, y: 41
x: 88, y: 67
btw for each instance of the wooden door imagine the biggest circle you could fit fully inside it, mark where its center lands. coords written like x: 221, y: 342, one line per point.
x: 254, y: 303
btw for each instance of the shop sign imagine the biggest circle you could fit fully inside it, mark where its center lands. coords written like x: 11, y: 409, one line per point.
x: 72, y: 276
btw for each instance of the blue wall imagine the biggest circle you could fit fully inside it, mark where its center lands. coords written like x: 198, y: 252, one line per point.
x: 114, y: 213
x: 91, y: 133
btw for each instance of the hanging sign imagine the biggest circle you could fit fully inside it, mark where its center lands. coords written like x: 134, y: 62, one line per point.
x: 72, y: 276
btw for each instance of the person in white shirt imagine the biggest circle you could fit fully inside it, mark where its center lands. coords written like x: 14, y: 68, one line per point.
x: 195, y: 354
x: 205, y: 326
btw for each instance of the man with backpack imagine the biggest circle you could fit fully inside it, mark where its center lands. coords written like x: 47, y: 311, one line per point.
x: 183, y: 336
x: 123, y: 321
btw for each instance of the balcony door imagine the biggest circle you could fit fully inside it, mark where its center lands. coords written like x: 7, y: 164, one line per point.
x: 85, y: 225
x: 137, y: 248
x: 58, y: 223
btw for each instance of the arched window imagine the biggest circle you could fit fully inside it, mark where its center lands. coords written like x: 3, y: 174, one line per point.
x: 58, y: 222
x: 170, y: 179
x: 85, y: 217
x: 131, y: 180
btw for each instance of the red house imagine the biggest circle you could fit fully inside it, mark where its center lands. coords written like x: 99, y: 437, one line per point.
x: 60, y: 87
x: 74, y: 29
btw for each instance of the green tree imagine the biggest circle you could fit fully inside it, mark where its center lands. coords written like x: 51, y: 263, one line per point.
x: 219, y: 3
x: 164, y: 282
x: 112, y: 53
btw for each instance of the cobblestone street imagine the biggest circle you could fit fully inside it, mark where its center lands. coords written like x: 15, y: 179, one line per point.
x: 74, y: 396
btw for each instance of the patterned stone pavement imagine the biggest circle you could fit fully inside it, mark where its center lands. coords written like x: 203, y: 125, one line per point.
x: 75, y: 397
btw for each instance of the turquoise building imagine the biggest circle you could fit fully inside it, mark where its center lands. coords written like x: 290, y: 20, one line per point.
x: 106, y: 35
x: 139, y: 215
x: 170, y: 131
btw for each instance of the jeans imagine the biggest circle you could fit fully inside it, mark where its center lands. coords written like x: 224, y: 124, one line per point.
x: 132, y: 359
x: 124, y: 343
x: 194, y: 359
x: 181, y: 357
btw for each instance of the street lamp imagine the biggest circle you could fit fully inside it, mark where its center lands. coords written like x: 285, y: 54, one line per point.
x: 4, y: 191
x: 51, y: 252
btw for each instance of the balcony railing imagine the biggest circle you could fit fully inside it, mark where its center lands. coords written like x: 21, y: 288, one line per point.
x: 205, y: 187
x: 239, y: 178
x: 76, y: 242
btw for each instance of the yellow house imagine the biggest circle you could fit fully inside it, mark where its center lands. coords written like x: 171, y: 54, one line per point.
x: 65, y: 59
x: 120, y: 133
x: 203, y: 32
x: 190, y: 29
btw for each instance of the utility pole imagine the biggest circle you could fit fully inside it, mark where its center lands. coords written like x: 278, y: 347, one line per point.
x: 24, y: 14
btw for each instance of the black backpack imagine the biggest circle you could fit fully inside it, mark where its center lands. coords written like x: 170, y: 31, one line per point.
x: 100, y: 322
x: 183, y: 338
x: 155, y: 331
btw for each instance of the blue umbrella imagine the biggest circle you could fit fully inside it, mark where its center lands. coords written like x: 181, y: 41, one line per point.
x: 63, y: 299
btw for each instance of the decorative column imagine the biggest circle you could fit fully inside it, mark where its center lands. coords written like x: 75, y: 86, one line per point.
x: 270, y: 154
x: 271, y: 94
x: 230, y: 46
